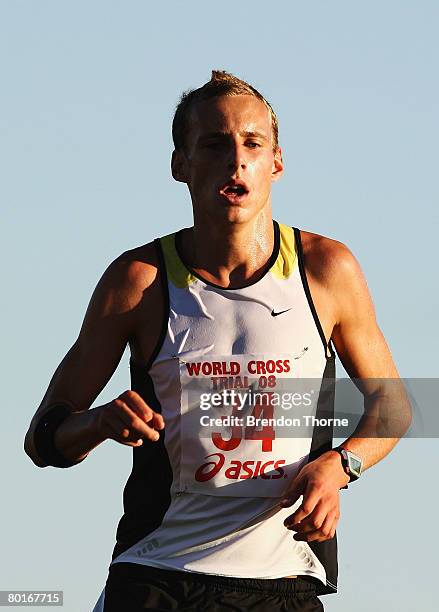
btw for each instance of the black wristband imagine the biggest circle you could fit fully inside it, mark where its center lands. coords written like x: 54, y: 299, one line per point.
x: 337, y: 449
x: 44, y: 437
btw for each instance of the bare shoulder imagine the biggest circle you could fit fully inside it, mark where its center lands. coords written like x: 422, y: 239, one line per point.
x: 336, y: 273
x: 126, y: 289
x: 328, y: 260
x: 326, y: 257
x: 129, y: 278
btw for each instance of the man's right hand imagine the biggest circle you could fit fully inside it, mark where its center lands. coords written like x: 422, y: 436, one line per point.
x: 128, y: 420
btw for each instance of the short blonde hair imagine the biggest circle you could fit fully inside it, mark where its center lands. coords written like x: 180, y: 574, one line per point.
x: 221, y: 84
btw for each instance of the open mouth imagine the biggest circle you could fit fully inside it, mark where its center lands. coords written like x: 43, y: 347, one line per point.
x: 234, y: 191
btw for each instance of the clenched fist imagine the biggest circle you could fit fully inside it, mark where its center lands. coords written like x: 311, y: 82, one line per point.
x: 128, y: 420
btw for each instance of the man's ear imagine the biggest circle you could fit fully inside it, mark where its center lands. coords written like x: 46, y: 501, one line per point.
x: 278, y: 165
x: 179, y: 166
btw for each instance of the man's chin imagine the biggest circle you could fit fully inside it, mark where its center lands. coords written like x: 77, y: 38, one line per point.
x: 234, y: 212
x: 234, y: 215
x: 228, y: 213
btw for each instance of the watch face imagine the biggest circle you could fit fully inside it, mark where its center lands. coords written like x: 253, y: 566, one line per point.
x: 355, y: 465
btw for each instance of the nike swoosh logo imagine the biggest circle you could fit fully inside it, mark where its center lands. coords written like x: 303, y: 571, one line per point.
x: 276, y: 314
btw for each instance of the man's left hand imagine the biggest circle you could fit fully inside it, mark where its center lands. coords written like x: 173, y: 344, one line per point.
x: 319, y: 482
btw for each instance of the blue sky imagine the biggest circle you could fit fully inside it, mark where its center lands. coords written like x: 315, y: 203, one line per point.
x: 88, y: 91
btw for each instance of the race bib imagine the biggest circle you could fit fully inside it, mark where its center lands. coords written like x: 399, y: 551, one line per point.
x: 246, y: 424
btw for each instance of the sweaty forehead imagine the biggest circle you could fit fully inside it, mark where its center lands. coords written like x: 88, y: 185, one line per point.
x: 229, y: 115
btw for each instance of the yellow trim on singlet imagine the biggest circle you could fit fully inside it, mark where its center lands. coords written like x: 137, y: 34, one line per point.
x: 181, y: 277
x: 176, y: 271
x: 287, y: 258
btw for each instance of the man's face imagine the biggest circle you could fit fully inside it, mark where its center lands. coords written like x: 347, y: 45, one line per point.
x: 228, y: 162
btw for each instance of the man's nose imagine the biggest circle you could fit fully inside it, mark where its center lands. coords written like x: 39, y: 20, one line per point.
x: 237, y: 158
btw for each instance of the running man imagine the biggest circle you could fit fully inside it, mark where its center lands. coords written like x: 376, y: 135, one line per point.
x: 237, y: 301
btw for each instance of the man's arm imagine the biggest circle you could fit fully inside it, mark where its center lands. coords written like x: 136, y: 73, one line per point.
x: 126, y: 287
x: 366, y: 357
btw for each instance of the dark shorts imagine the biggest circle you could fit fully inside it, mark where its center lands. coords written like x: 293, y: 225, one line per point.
x: 132, y: 587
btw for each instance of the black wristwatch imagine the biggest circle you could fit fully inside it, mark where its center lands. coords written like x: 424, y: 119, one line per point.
x: 352, y: 464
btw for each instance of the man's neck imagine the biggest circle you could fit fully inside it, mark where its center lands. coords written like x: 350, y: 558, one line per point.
x: 232, y: 255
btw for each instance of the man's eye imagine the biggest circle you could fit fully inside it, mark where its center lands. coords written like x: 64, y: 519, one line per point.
x: 253, y: 145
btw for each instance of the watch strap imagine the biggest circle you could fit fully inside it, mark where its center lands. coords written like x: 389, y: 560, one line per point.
x: 339, y: 450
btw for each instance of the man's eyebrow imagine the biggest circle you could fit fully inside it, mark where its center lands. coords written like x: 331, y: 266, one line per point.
x: 255, y: 134
x: 247, y: 134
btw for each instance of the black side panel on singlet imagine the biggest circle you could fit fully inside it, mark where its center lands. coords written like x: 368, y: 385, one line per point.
x: 146, y: 495
x: 322, y: 440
